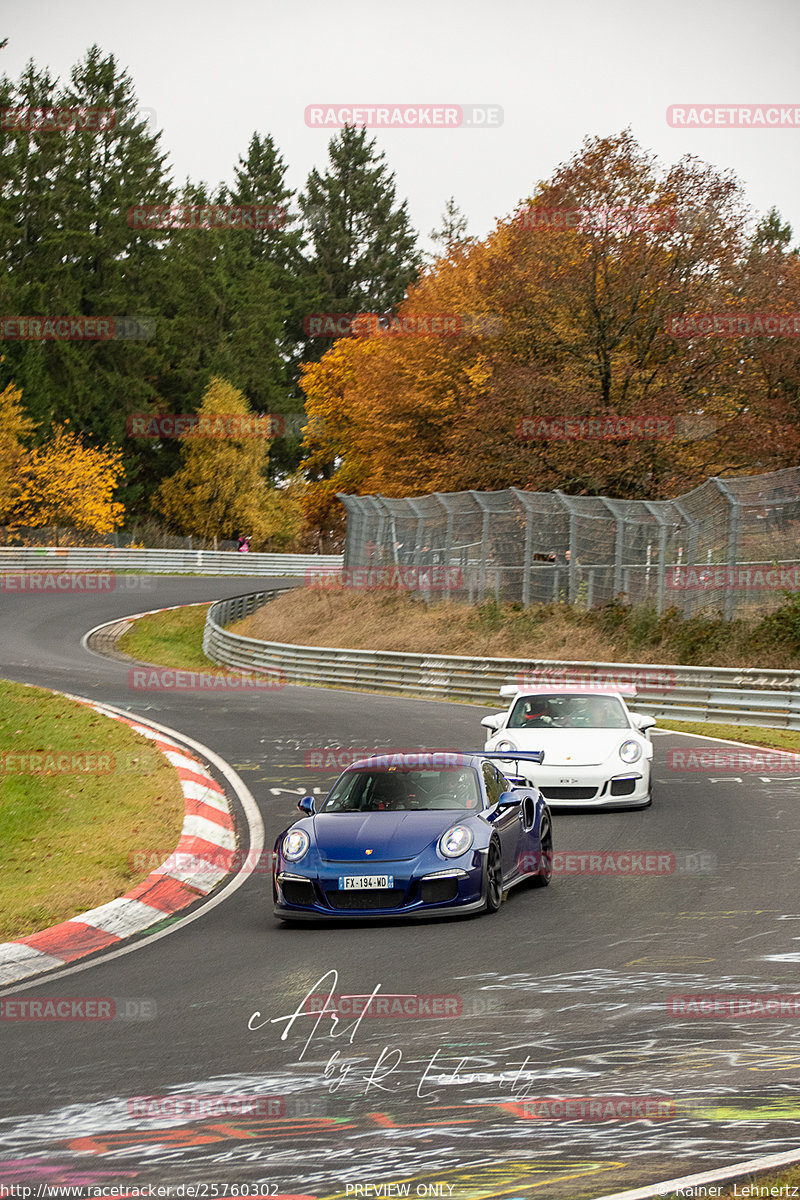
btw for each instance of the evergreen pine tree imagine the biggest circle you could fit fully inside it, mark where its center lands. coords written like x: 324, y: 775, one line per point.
x: 453, y: 228
x: 364, y: 250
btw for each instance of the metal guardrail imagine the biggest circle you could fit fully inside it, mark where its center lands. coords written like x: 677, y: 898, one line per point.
x: 747, y: 696
x: 179, y: 562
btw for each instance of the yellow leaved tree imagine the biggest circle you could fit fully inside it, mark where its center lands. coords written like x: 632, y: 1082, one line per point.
x: 220, y: 488
x: 67, y: 483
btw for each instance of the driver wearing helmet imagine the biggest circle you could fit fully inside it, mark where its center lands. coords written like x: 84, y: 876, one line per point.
x: 537, y: 712
x: 455, y: 791
x: 465, y: 790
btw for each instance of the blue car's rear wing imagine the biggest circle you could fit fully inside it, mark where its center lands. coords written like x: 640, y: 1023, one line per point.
x: 536, y: 756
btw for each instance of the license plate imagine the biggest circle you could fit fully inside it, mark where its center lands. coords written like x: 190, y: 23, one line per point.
x: 349, y: 883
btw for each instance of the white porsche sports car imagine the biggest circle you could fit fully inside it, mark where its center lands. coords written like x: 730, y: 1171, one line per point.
x: 597, y: 752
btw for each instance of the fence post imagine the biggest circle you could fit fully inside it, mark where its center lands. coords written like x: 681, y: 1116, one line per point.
x: 448, y: 543
x: 485, y: 514
x: 691, y: 556
x: 528, y: 561
x: 733, y: 542
x: 662, y: 555
x: 573, y: 558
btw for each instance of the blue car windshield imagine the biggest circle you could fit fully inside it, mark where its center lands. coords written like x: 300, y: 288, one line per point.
x: 568, y: 712
x: 411, y: 790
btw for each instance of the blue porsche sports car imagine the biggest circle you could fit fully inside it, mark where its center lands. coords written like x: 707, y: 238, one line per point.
x: 414, y: 835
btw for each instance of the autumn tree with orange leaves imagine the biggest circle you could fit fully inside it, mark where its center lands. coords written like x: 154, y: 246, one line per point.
x: 578, y: 311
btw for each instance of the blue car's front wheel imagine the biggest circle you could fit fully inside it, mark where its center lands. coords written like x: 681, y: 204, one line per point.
x: 493, y: 881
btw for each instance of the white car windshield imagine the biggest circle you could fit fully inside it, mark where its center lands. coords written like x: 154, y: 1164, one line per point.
x: 413, y: 790
x: 568, y: 712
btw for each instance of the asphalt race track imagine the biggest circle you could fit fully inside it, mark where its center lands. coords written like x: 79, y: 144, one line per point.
x: 564, y: 993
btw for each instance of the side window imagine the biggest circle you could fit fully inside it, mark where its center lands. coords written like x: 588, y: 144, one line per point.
x: 493, y: 782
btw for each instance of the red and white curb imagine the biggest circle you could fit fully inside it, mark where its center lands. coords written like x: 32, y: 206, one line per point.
x: 205, y: 855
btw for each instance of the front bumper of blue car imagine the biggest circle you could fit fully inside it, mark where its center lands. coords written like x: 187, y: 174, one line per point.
x: 409, y: 890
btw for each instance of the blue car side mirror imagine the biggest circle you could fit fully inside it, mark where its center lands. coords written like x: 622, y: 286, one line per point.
x: 306, y: 805
x: 508, y: 798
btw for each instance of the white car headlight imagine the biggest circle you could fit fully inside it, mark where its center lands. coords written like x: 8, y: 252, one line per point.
x: 456, y: 841
x: 295, y: 844
x: 630, y: 752
x: 506, y: 745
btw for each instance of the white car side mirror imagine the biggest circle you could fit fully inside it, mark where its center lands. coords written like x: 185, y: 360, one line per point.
x: 642, y: 720
x: 494, y: 721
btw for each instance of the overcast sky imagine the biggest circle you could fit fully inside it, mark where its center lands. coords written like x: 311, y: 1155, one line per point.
x: 215, y: 71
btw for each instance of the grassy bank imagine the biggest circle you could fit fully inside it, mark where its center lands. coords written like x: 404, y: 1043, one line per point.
x: 172, y: 639
x: 376, y: 621
x: 78, y: 794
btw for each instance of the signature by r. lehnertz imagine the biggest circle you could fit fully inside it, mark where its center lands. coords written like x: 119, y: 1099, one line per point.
x: 388, y: 1061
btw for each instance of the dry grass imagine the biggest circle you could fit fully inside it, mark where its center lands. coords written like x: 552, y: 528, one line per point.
x: 368, y: 621
x: 379, y: 621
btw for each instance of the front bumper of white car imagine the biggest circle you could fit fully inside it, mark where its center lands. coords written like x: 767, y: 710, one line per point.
x: 596, y: 786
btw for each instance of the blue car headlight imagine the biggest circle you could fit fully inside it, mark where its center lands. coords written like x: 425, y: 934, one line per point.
x: 455, y: 841
x: 295, y: 844
x: 630, y: 752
